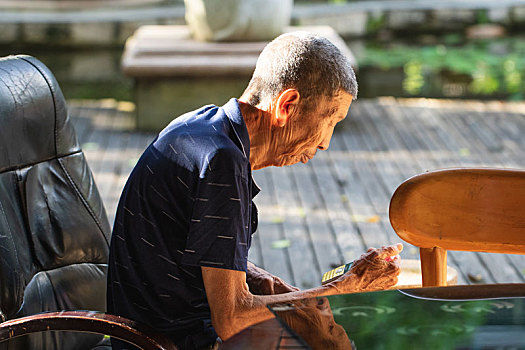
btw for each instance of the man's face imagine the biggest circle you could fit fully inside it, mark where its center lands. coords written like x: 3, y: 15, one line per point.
x: 311, y: 130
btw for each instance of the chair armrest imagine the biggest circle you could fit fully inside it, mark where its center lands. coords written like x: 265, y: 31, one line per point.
x: 90, y: 322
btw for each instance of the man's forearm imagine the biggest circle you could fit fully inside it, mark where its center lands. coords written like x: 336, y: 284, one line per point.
x: 234, y: 307
x: 251, y: 309
x: 324, y: 290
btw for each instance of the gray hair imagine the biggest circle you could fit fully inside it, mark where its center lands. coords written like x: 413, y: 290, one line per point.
x: 304, y: 61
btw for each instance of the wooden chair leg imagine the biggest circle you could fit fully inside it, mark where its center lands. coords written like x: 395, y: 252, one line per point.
x: 433, y: 266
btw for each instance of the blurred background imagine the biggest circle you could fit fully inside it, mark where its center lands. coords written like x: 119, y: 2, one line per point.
x: 450, y: 49
x: 467, y: 55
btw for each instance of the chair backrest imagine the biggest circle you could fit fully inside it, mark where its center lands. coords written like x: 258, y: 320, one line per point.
x: 474, y: 209
x: 54, y: 232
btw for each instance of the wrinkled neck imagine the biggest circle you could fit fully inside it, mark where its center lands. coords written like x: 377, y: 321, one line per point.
x: 259, y: 125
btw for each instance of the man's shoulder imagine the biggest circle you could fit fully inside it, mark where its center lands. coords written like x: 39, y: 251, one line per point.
x: 203, y: 139
x: 208, y: 121
x: 195, y: 120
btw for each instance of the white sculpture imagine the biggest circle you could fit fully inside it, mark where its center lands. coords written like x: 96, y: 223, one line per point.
x: 237, y: 20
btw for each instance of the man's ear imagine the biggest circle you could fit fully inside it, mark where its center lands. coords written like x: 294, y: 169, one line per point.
x: 286, y: 106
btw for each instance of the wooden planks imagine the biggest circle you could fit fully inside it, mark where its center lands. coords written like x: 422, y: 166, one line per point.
x: 315, y: 216
x: 105, y: 132
x: 275, y: 255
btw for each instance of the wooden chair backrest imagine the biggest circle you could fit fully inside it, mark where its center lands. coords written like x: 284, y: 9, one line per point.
x: 473, y: 209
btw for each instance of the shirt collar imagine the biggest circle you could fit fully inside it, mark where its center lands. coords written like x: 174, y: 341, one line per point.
x: 239, y: 126
x: 241, y: 132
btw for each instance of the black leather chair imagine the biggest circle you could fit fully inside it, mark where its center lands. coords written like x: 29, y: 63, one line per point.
x: 54, y: 233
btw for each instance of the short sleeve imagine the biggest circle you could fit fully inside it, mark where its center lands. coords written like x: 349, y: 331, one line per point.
x: 220, y: 234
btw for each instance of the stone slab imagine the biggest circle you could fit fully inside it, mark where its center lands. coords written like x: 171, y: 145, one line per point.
x: 169, y: 50
x: 160, y: 100
x: 174, y: 73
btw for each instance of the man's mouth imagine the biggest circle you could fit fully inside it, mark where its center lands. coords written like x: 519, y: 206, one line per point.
x: 305, y: 158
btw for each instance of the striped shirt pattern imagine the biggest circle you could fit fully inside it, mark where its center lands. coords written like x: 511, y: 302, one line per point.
x: 187, y: 204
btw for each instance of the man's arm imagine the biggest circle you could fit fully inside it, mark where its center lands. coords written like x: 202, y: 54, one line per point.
x: 233, y: 307
x: 261, y: 282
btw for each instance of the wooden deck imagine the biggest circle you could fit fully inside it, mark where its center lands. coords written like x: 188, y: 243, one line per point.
x: 316, y: 216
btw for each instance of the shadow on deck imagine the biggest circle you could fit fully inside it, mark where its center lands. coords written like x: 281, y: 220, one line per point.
x: 316, y: 216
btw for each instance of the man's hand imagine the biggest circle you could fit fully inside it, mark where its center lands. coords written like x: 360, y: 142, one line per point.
x: 377, y: 269
x: 234, y: 306
x: 262, y: 282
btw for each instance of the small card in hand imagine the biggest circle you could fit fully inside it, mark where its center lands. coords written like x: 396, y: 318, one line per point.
x: 335, y: 273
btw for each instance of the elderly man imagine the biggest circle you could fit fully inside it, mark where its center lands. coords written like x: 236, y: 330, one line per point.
x: 179, y: 249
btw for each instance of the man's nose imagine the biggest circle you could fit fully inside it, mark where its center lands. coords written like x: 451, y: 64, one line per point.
x: 325, y: 143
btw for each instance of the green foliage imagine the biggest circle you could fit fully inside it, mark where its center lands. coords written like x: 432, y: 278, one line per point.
x: 484, y: 82
x: 491, y: 71
x: 452, y: 39
x: 513, y: 77
x: 483, y: 16
x: 414, y: 80
x: 374, y: 23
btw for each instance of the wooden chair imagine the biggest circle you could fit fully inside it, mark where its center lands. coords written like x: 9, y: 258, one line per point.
x: 480, y: 210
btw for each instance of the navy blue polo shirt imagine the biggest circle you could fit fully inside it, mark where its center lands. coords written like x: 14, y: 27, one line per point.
x: 187, y: 204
